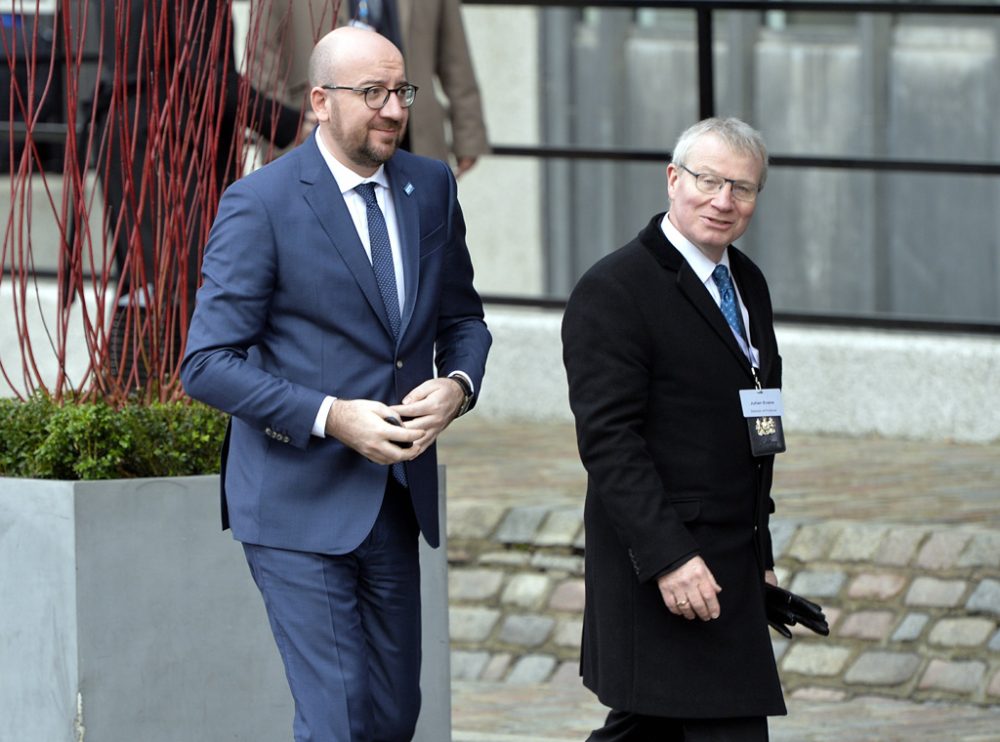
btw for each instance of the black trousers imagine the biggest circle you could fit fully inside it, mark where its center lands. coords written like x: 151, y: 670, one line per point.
x: 622, y: 726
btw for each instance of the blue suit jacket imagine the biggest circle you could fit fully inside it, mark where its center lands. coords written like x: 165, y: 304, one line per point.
x: 289, y: 312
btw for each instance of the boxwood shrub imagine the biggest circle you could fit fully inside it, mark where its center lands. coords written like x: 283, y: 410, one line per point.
x: 93, y: 440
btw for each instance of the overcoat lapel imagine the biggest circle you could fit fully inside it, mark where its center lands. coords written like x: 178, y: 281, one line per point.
x: 324, y: 197
x: 758, y: 329
x: 692, y: 288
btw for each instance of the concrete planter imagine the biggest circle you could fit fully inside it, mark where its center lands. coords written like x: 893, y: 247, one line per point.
x: 125, y: 614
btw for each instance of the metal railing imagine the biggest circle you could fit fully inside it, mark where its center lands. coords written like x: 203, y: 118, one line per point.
x: 704, y: 12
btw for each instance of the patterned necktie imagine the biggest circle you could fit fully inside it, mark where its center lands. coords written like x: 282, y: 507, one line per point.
x: 385, y: 274
x: 382, y: 265
x: 728, y: 304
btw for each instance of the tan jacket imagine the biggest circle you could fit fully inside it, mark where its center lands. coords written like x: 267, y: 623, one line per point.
x: 283, y: 32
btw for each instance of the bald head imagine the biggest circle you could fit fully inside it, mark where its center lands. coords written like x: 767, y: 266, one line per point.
x: 360, y: 130
x: 346, y: 49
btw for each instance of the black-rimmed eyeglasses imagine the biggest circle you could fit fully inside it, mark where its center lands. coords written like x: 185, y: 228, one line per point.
x: 376, y: 96
x: 743, y: 190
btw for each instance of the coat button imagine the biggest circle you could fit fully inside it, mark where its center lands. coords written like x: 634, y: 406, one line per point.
x: 399, y: 364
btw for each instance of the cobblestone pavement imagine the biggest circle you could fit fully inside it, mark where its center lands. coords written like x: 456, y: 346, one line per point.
x: 819, y: 478
x: 498, y: 712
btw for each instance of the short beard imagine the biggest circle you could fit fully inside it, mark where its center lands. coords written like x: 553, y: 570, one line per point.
x: 373, y: 156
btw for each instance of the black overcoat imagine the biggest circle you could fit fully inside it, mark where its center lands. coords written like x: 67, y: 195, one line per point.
x: 654, y: 379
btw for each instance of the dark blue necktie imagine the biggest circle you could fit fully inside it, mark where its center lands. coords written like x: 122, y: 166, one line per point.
x: 382, y: 265
x: 385, y: 274
x: 728, y: 304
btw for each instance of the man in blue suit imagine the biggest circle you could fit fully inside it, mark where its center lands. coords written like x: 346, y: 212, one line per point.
x: 337, y: 302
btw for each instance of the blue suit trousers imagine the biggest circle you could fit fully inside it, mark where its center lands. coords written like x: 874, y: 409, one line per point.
x: 348, y: 629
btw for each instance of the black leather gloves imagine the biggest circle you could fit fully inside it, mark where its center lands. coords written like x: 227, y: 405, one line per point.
x: 786, y: 609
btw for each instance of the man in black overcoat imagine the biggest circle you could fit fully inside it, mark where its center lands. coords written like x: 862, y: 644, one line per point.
x: 675, y: 638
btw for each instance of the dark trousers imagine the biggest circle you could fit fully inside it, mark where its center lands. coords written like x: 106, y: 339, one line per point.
x: 348, y: 629
x: 624, y: 725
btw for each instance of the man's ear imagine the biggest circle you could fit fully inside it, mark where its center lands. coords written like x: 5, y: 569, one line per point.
x: 317, y: 101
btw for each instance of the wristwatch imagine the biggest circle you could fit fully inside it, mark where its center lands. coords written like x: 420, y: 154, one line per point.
x: 466, y: 390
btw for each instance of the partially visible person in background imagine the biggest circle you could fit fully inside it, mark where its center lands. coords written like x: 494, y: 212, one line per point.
x: 430, y: 34
x: 164, y: 62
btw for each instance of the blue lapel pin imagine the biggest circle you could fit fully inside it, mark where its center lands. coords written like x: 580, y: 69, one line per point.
x: 408, y: 189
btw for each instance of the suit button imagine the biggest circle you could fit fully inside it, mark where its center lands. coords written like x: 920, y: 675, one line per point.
x: 399, y: 364
x: 268, y: 432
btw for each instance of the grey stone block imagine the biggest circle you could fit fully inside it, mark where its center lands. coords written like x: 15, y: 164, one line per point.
x: 899, y: 546
x: 782, y: 532
x: 961, y: 632
x: 532, y: 668
x: 986, y: 597
x: 520, y: 524
x: 883, y: 668
x: 817, y: 584
x: 560, y: 528
x: 858, y: 543
x: 468, y: 665
x: 497, y: 667
x: 994, y: 644
x: 932, y: 592
x: 471, y: 624
x: 568, y: 596
x: 821, y: 660
x: 572, y: 565
x: 473, y: 520
x: 911, y: 627
x: 813, y: 541
x: 474, y: 584
x: 870, y: 625
x: 983, y: 551
x: 953, y: 676
x: 779, y: 645
x: 505, y: 558
x: 568, y: 632
x: 526, y: 590
x: 526, y: 630
x: 881, y: 586
x: 942, y: 550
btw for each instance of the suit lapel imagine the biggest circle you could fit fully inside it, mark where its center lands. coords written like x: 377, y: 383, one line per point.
x: 324, y: 197
x: 408, y: 219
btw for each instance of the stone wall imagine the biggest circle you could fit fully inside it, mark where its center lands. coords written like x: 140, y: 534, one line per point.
x: 913, y: 610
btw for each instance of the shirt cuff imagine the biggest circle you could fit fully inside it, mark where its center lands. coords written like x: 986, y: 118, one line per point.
x: 466, y: 377
x: 319, y: 424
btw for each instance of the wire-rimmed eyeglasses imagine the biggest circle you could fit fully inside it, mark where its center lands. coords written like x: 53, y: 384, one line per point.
x: 376, y: 96
x: 710, y: 183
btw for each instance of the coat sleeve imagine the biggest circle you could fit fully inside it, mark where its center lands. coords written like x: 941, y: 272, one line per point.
x: 239, y: 272
x: 458, y: 80
x: 607, y: 354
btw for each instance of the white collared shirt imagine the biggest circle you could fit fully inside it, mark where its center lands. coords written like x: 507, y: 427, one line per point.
x: 703, y: 266
x: 348, y: 180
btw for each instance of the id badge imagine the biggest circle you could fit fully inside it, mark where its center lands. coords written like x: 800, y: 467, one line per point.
x: 762, y: 409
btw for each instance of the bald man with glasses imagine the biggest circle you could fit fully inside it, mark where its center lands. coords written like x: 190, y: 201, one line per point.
x: 338, y: 325
x: 662, y: 341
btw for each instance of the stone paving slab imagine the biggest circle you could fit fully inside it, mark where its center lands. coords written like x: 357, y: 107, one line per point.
x: 501, y: 712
